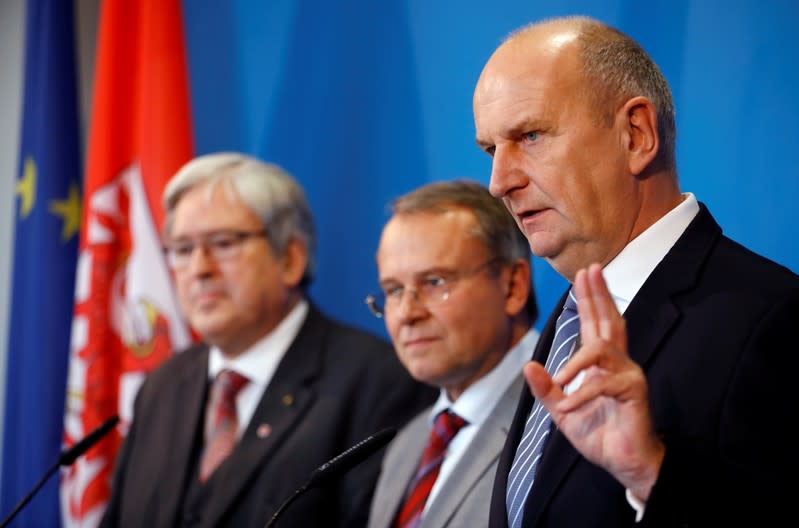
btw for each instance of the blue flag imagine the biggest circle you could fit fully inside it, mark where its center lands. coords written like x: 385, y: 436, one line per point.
x: 45, y: 253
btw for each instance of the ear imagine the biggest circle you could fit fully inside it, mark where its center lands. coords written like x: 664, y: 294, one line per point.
x: 643, y: 142
x: 518, y: 287
x: 294, y: 262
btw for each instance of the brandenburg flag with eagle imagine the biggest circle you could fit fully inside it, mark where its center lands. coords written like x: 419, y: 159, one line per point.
x: 126, y: 318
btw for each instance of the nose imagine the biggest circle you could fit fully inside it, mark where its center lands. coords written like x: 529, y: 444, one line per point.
x: 505, y: 175
x: 411, y: 306
x: 201, y: 262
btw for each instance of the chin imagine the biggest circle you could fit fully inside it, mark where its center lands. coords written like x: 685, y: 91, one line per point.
x: 210, y: 327
x: 425, y: 374
x: 544, y: 245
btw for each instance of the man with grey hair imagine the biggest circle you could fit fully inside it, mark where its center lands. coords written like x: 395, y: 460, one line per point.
x: 227, y: 430
x: 659, y: 388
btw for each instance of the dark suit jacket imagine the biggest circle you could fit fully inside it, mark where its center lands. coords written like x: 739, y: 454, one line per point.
x: 708, y: 328
x: 334, y: 387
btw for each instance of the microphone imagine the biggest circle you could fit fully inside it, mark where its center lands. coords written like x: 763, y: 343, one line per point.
x: 339, y: 465
x: 70, y: 455
x: 67, y: 457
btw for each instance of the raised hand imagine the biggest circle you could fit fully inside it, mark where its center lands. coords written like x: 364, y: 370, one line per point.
x: 599, y: 398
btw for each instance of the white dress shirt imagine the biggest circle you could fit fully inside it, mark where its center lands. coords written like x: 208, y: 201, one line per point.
x: 626, y: 273
x: 477, y: 402
x: 258, y: 363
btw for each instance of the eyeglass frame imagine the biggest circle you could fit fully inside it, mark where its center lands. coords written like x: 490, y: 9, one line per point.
x: 373, y: 299
x: 210, y: 247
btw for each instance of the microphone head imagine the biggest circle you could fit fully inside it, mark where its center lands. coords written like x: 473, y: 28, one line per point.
x: 69, y: 456
x: 351, y: 457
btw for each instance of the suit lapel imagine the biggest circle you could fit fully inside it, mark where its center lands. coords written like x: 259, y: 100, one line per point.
x: 653, y: 312
x: 650, y: 316
x: 285, y: 400
x: 499, y: 512
x: 182, y: 417
x: 477, y: 460
x: 402, y: 466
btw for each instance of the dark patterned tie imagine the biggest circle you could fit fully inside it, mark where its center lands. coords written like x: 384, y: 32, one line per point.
x: 446, y: 426
x: 221, y: 422
x: 536, y: 430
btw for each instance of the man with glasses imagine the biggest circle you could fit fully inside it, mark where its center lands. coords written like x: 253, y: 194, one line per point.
x: 224, y: 432
x: 456, y: 297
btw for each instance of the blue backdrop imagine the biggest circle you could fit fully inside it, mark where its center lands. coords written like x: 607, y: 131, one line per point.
x: 363, y: 100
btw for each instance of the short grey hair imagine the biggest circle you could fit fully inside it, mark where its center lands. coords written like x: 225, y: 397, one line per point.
x: 265, y: 188
x: 495, y: 228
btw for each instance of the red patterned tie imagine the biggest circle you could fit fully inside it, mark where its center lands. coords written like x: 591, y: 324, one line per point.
x: 444, y: 430
x: 221, y: 422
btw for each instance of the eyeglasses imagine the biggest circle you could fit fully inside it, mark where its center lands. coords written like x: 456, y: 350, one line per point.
x: 431, y: 290
x: 221, y: 245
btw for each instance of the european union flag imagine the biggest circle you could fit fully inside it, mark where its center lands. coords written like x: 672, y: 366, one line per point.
x: 45, y: 252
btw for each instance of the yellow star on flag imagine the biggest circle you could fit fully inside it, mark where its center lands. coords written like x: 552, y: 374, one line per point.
x: 69, y: 211
x: 26, y: 188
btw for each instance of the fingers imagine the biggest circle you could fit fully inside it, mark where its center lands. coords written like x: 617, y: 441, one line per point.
x: 602, y: 329
x: 599, y: 317
x: 541, y: 385
x: 597, y: 382
x: 605, y: 308
x: 589, y: 327
x: 597, y: 355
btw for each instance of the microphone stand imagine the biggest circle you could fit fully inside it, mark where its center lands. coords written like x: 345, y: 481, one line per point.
x: 66, y: 459
x: 21, y: 504
x: 338, y: 465
x: 299, y: 491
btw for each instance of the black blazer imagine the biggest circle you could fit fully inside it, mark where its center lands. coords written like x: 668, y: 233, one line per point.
x: 707, y: 327
x: 334, y: 387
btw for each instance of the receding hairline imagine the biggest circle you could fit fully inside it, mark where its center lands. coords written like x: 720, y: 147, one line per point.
x: 560, y: 38
x: 577, y: 25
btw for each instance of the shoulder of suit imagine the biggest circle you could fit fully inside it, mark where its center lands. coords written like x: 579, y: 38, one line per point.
x: 181, y: 361
x: 759, y: 272
x: 417, y: 428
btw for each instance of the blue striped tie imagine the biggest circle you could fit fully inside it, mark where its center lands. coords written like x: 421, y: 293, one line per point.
x: 536, y: 430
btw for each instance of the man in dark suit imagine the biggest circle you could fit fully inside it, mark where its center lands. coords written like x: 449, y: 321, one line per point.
x: 225, y: 431
x: 666, y: 403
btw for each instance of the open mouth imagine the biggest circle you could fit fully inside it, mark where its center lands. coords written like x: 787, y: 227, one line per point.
x: 529, y: 216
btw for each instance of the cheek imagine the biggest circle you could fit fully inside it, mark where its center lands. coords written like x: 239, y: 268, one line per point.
x: 183, y: 290
x: 392, y: 327
x: 256, y: 293
x: 243, y: 282
x: 473, y: 326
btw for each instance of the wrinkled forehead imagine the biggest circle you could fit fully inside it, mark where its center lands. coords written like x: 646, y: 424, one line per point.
x: 423, y: 240
x: 526, y: 86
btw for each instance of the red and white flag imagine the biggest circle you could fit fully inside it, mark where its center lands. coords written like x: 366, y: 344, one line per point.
x: 126, y: 318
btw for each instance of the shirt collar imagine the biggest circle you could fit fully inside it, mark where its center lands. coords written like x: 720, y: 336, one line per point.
x: 259, y: 362
x: 628, y: 271
x: 479, y: 399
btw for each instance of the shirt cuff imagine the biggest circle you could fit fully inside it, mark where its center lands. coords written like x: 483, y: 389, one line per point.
x: 637, y: 504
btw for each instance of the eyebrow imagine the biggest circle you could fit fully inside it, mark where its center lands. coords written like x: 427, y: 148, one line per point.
x: 483, y: 144
x: 227, y: 229
x: 421, y: 274
x: 521, y: 126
